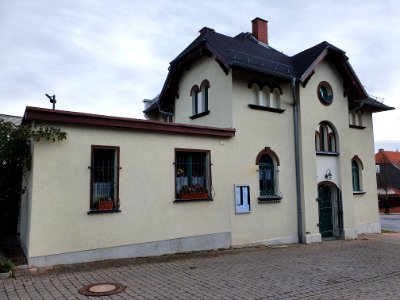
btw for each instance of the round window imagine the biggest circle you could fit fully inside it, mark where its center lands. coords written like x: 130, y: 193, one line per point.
x: 325, y: 93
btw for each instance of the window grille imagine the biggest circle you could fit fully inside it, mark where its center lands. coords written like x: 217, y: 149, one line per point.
x: 104, y: 182
x: 192, y: 179
x: 268, y: 179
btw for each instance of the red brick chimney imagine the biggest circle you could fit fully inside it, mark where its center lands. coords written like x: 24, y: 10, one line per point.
x: 260, y: 30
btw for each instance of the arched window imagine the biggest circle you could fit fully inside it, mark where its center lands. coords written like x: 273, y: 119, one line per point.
x: 317, y: 141
x: 194, y: 93
x: 266, y: 176
x: 275, y: 98
x: 255, y: 94
x: 356, y: 167
x: 205, y: 85
x: 265, y: 97
x: 325, y: 138
x: 268, y: 179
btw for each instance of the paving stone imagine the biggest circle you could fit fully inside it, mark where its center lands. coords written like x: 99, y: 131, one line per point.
x: 367, y: 268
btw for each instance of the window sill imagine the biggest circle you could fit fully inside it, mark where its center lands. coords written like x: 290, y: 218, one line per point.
x: 193, y: 200
x: 204, y: 113
x: 269, y: 199
x: 327, y: 153
x: 266, y: 108
x: 357, y: 126
x: 104, y: 211
x: 358, y: 192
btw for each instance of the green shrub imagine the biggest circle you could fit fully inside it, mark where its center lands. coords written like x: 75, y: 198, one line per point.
x: 5, y: 264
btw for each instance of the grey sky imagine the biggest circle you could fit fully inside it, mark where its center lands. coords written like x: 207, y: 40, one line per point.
x: 106, y: 56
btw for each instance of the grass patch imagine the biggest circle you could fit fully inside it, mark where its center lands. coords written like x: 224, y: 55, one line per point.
x: 387, y: 231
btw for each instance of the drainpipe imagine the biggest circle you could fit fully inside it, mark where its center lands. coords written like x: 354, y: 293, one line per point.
x: 297, y: 161
x: 164, y: 112
x: 358, y: 107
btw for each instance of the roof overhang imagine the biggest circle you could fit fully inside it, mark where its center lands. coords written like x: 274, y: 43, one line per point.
x: 36, y: 114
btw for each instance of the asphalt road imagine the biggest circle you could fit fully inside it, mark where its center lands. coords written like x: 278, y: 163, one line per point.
x: 390, y: 222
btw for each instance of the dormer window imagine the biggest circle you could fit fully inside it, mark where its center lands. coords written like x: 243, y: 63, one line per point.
x: 200, y: 99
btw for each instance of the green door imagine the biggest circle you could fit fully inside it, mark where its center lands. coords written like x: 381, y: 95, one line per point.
x: 330, y: 211
x: 325, y: 211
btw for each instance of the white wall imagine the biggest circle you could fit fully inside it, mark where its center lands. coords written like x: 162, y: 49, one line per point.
x: 219, y: 94
x: 61, y: 191
x: 257, y: 129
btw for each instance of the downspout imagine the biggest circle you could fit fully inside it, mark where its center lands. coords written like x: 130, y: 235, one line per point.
x: 357, y: 107
x: 297, y: 161
x: 164, y: 112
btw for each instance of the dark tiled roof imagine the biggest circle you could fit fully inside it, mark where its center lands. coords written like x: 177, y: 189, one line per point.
x: 13, y: 119
x: 245, y: 51
x: 375, y: 105
x: 154, y: 103
x: 303, y: 60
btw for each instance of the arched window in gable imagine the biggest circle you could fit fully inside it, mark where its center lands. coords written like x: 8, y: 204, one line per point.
x: 194, y: 93
x: 205, y: 85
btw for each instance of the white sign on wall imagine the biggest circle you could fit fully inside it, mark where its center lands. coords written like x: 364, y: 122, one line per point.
x: 242, y: 198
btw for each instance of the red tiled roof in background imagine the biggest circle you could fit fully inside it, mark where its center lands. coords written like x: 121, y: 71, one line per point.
x: 392, y: 157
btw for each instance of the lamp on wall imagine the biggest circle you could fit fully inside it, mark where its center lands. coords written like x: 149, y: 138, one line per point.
x: 328, y: 174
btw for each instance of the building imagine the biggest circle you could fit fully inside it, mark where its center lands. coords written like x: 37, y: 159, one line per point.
x: 244, y: 145
x: 388, y: 178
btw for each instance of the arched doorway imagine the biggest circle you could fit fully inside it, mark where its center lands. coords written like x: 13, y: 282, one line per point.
x: 330, y: 210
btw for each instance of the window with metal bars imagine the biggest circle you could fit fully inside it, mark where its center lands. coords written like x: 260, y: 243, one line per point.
x: 104, y: 178
x: 267, y: 176
x: 192, y: 175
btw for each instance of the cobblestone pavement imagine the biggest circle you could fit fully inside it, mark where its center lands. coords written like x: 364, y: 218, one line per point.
x: 367, y: 268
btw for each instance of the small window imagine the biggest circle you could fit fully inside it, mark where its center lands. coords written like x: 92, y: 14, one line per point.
x: 104, y: 178
x: 192, y: 175
x: 325, y: 139
x: 356, y: 167
x: 325, y: 93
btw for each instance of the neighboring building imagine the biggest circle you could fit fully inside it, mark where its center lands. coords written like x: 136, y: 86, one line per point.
x: 13, y: 119
x: 388, y: 177
x: 243, y: 145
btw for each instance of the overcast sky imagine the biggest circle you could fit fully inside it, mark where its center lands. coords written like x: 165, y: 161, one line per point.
x: 106, y: 56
